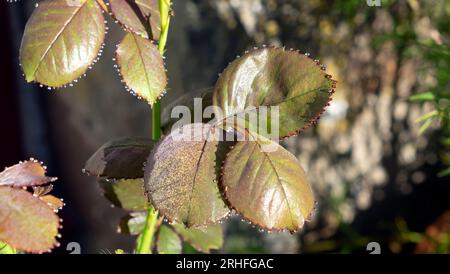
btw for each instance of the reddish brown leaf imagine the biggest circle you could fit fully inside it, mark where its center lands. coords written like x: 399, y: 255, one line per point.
x: 121, y: 158
x: 61, y: 40
x: 181, y: 179
x: 26, y: 222
x: 275, y: 77
x: 139, y: 16
x: 53, y: 202
x: 267, y: 187
x: 24, y: 174
x: 142, y: 67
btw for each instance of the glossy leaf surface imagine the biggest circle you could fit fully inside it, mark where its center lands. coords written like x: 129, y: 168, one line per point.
x: 26, y: 222
x: 61, y: 40
x: 275, y: 77
x: 267, y: 187
x: 142, y: 67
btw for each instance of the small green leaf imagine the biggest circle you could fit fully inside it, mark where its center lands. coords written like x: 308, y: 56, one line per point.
x: 61, y: 40
x: 446, y: 141
x: 445, y: 172
x: 202, y: 239
x: 425, y: 126
x: 168, y: 241
x: 128, y: 194
x: 181, y: 179
x: 425, y: 96
x: 133, y: 223
x: 427, y: 116
x: 121, y: 158
x: 6, y: 249
x: 28, y: 173
x: 267, y: 186
x: 138, y: 16
x: 26, y: 222
x: 275, y: 77
x: 142, y: 67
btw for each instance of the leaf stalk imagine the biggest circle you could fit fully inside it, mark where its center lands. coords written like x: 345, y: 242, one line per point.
x: 144, y: 242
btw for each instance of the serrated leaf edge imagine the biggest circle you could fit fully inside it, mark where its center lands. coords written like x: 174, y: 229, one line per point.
x: 90, y: 66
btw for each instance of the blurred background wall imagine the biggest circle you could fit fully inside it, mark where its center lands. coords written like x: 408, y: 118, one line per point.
x: 374, y: 174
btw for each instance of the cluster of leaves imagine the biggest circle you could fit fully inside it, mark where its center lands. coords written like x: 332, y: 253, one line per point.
x: 193, y: 184
x: 63, y: 38
x: 28, y: 219
x: 197, y: 182
x: 438, y: 96
x: 119, y: 165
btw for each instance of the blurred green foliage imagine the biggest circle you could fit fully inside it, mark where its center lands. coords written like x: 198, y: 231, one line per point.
x: 438, y: 96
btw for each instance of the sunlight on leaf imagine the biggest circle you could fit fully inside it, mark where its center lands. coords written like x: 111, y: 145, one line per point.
x: 6, y: 249
x: 26, y: 222
x: 181, y: 178
x: 61, y: 41
x: 275, y: 77
x: 28, y: 173
x: 39, y: 191
x: 53, y: 202
x: 270, y: 189
x: 142, y: 67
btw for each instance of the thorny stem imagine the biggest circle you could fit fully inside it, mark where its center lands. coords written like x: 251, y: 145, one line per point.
x: 164, y: 9
x: 144, y: 244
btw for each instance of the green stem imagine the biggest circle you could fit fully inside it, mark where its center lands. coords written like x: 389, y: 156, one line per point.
x: 144, y: 243
x: 164, y: 9
x: 156, y: 121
